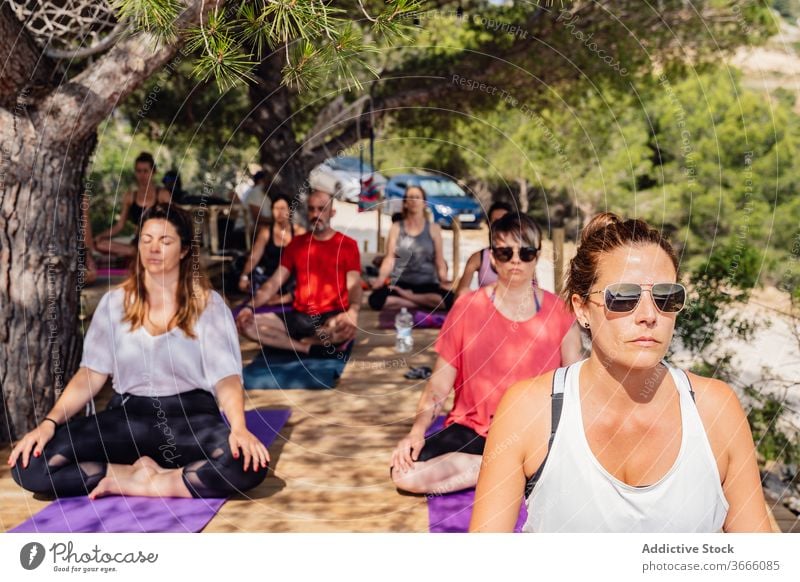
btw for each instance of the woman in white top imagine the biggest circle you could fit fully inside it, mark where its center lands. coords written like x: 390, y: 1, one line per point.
x: 622, y: 441
x: 171, y: 346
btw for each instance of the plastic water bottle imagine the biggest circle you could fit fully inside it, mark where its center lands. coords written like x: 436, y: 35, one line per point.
x: 403, y: 323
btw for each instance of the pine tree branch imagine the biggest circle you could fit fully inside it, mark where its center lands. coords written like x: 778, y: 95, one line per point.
x: 76, y: 107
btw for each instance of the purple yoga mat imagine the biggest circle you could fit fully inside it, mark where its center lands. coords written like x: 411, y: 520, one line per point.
x: 422, y: 319
x: 143, y: 514
x: 279, y: 309
x: 450, y: 513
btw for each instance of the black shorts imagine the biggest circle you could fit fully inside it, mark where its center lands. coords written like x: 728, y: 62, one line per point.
x: 379, y: 296
x: 301, y: 325
x: 456, y: 438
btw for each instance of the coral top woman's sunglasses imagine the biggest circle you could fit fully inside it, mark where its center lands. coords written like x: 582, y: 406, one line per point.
x: 625, y: 297
x: 505, y: 254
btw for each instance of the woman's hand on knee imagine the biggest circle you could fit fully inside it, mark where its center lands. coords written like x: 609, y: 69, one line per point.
x: 251, y: 448
x: 407, y: 451
x: 34, y: 442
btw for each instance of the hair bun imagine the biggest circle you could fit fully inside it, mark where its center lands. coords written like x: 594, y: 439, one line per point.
x: 599, y: 222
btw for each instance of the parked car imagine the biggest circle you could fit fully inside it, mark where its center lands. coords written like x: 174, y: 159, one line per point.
x: 345, y: 173
x: 446, y: 199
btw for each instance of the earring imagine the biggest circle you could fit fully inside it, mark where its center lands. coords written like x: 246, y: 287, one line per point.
x: 586, y: 324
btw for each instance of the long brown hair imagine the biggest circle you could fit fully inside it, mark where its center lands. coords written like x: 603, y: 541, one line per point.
x: 604, y: 233
x: 425, y: 211
x: 193, y: 283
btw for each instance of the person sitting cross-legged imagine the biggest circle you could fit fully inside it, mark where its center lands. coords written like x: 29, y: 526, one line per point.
x: 170, y: 344
x: 496, y: 334
x: 623, y: 441
x: 413, y: 273
x: 327, y: 269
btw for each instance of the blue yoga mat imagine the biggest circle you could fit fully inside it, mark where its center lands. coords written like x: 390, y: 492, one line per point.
x: 282, y: 369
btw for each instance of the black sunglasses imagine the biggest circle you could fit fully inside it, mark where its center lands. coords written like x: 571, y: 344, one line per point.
x: 505, y: 254
x: 625, y: 297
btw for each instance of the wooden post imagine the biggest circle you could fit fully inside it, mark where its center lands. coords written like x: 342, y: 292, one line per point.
x: 456, y: 248
x: 379, y: 238
x: 558, y: 259
x: 366, y: 246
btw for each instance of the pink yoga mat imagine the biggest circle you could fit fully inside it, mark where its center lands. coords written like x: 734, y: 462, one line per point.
x: 120, y: 514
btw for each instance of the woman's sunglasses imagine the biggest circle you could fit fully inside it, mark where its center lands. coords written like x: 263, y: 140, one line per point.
x: 505, y: 254
x: 625, y: 297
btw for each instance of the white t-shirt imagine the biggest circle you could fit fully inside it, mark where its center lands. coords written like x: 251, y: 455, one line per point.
x: 167, y: 364
x: 255, y: 197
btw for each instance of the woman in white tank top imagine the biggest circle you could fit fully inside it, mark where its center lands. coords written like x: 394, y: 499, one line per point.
x: 621, y: 442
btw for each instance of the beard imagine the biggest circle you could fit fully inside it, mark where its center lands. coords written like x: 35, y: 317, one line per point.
x: 319, y: 226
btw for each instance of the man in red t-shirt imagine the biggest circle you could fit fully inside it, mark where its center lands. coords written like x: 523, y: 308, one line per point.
x: 327, y: 267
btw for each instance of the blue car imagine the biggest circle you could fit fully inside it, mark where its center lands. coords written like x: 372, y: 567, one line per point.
x: 446, y: 199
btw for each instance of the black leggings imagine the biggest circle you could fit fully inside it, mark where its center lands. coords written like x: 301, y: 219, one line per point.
x: 456, y: 438
x: 378, y: 297
x: 185, y: 430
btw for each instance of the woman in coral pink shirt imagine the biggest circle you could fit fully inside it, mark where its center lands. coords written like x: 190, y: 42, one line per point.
x: 492, y: 337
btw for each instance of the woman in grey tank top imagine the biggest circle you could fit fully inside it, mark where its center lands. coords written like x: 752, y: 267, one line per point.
x: 413, y: 271
x: 623, y: 441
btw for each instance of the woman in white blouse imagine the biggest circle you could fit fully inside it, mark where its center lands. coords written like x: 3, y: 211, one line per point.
x: 171, y: 346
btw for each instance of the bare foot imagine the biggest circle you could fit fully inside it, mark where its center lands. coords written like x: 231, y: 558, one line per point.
x: 123, y: 480
x: 144, y: 479
x: 277, y: 299
x: 147, y: 462
x: 250, y: 331
x: 303, y: 346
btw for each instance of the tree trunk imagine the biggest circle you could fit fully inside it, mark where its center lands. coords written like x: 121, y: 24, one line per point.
x: 39, y: 344
x: 280, y: 155
x: 47, y: 135
x: 523, y: 195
